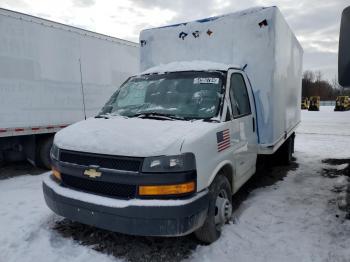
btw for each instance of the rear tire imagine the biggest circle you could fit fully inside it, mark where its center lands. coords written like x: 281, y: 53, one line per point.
x: 44, y: 159
x: 284, y: 154
x: 219, y: 211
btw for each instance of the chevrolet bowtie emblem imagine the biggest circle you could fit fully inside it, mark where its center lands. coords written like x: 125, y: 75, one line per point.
x: 92, y: 173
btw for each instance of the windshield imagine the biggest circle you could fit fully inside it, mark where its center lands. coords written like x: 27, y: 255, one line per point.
x: 187, y: 95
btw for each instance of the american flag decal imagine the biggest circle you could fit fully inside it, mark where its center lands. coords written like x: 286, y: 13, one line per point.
x: 223, y: 140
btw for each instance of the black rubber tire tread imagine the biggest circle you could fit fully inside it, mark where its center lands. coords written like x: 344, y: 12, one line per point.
x: 44, y: 152
x: 288, y: 152
x: 208, y: 233
x: 2, y: 159
x: 283, y: 155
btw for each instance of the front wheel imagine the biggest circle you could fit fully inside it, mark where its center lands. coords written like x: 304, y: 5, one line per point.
x: 219, y: 212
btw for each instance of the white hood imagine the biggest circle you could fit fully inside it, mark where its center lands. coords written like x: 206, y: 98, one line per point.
x: 128, y: 136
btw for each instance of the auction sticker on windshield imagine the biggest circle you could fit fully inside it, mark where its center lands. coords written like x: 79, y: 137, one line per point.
x: 206, y: 80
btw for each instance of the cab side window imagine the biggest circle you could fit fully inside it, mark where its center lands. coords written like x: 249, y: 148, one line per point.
x: 239, y: 96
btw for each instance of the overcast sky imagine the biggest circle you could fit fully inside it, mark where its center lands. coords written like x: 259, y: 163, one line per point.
x: 315, y: 22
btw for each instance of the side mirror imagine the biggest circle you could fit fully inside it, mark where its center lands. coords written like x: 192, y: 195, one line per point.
x: 344, y: 49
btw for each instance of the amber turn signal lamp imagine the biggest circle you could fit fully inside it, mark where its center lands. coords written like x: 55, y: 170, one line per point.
x: 56, y: 174
x: 177, y: 189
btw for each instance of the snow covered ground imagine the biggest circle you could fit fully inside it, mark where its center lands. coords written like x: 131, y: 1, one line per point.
x: 295, y: 219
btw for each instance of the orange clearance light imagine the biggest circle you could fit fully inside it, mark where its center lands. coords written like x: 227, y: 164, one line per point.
x: 56, y: 174
x: 167, y: 189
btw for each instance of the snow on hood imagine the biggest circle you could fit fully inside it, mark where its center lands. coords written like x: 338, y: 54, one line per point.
x: 196, y: 65
x: 128, y: 136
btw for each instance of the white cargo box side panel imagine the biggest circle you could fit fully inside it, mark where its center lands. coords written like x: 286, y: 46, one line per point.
x: 40, y: 75
x: 105, y: 66
x: 287, y: 80
x: 247, y: 37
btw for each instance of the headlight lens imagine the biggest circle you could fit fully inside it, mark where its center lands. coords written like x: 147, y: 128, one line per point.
x: 177, y: 163
x: 55, y: 152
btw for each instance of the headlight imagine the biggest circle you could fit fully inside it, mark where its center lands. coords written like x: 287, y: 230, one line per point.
x: 178, y: 163
x: 55, y: 152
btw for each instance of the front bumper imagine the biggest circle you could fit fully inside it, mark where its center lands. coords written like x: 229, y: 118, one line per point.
x: 134, y: 216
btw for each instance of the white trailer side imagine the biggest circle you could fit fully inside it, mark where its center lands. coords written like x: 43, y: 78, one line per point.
x: 259, y: 38
x: 53, y: 75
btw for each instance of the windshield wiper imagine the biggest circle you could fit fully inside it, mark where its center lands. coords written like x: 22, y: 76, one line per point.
x: 211, y: 120
x: 101, y: 116
x: 158, y: 115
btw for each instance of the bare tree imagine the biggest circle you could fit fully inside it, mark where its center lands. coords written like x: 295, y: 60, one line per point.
x: 309, y: 76
x: 314, y: 85
x: 318, y: 76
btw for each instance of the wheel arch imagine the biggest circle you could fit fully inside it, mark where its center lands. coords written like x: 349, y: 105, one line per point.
x: 227, y: 169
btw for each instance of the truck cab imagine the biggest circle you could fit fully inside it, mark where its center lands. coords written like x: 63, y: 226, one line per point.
x: 169, y: 135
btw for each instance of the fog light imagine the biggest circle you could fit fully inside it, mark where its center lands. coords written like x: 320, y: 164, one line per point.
x: 56, y: 174
x: 167, y: 189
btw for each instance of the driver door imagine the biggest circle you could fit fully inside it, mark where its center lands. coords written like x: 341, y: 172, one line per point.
x: 242, y: 124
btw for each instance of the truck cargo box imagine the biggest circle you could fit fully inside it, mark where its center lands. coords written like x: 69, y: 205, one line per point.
x: 258, y: 39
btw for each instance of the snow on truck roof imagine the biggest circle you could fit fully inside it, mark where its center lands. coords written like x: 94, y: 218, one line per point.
x: 189, y: 66
x: 208, y: 19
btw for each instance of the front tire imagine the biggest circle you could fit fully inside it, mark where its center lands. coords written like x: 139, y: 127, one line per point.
x: 219, y: 212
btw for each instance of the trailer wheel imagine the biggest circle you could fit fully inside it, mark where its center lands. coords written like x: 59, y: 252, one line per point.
x: 45, y: 145
x: 219, y: 212
x: 2, y: 159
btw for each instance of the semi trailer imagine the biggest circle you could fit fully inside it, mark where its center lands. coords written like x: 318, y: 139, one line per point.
x: 173, y: 144
x: 51, y: 76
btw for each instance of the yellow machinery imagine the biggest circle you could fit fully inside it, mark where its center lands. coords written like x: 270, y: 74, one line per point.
x: 314, y: 103
x: 342, y: 103
x: 305, y: 103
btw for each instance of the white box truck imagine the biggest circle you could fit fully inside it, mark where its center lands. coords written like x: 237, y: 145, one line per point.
x: 53, y: 75
x: 173, y: 144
